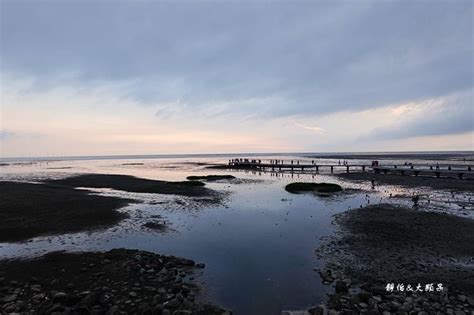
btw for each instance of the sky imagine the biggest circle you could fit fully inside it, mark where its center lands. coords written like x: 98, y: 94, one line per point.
x: 162, y: 77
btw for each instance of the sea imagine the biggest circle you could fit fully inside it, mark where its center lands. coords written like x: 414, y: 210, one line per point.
x: 259, y: 243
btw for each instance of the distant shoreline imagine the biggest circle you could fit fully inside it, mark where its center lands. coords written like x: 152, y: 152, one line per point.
x: 328, y: 155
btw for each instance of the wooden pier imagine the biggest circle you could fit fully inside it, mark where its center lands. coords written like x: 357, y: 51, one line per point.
x: 458, y: 171
x: 293, y: 165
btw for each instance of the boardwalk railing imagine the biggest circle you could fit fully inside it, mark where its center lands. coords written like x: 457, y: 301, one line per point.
x: 457, y: 170
x: 292, y: 165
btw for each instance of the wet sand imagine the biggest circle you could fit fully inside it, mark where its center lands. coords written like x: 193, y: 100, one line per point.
x: 119, y: 281
x: 28, y: 210
x: 453, y: 184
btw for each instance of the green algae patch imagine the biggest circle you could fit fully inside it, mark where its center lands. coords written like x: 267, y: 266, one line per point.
x: 297, y: 188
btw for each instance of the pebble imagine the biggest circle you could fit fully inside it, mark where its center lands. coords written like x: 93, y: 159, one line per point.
x: 10, y: 298
x: 462, y: 298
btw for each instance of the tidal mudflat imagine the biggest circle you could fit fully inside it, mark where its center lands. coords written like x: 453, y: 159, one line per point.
x: 264, y: 250
x: 32, y: 209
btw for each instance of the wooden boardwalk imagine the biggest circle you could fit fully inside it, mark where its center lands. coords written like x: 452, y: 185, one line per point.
x: 297, y: 166
x: 280, y: 165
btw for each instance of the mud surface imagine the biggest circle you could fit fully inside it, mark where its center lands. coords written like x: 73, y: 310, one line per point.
x: 28, y: 210
x: 135, y: 184
x: 211, y: 177
x: 412, y: 181
x: 383, y: 244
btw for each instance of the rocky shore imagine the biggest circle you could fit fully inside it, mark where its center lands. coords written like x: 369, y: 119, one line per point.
x: 387, y: 259
x: 374, y: 299
x: 120, y: 281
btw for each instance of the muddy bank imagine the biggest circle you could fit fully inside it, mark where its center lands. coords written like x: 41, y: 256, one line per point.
x: 412, y: 181
x: 211, y: 178
x: 135, y: 184
x: 300, y: 187
x: 28, y: 210
x: 384, y: 244
x: 225, y: 167
x: 120, y: 281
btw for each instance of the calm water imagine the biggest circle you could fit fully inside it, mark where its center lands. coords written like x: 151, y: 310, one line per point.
x: 258, y: 246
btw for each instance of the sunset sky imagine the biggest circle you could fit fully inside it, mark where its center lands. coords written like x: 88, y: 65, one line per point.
x: 154, y: 77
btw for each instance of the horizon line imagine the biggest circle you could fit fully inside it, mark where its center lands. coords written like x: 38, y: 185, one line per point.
x: 148, y: 156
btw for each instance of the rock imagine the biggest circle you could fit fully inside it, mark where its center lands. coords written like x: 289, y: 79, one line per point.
x: 406, y: 307
x: 59, y: 297
x: 158, y: 309
x: 341, y: 287
x: 55, y: 308
x: 377, y: 298
x: 318, y: 310
x: 35, y: 288
x: 114, y: 310
x: 395, y: 305
x: 90, y: 299
x: 462, y: 298
x: 161, y: 290
x: 173, y: 303
x: 70, y: 285
x: 10, y: 298
x: 364, y: 296
x: 326, y: 276
x: 40, y: 296
x: 10, y: 308
x: 459, y: 312
x: 200, y: 265
x: 470, y: 301
x: 363, y: 305
x: 132, y: 294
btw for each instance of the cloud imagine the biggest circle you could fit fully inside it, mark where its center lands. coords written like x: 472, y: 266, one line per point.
x: 275, y: 72
x: 5, y: 134
x: 315, y: 129
x: 443, y: 116
x: 315, y: 58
